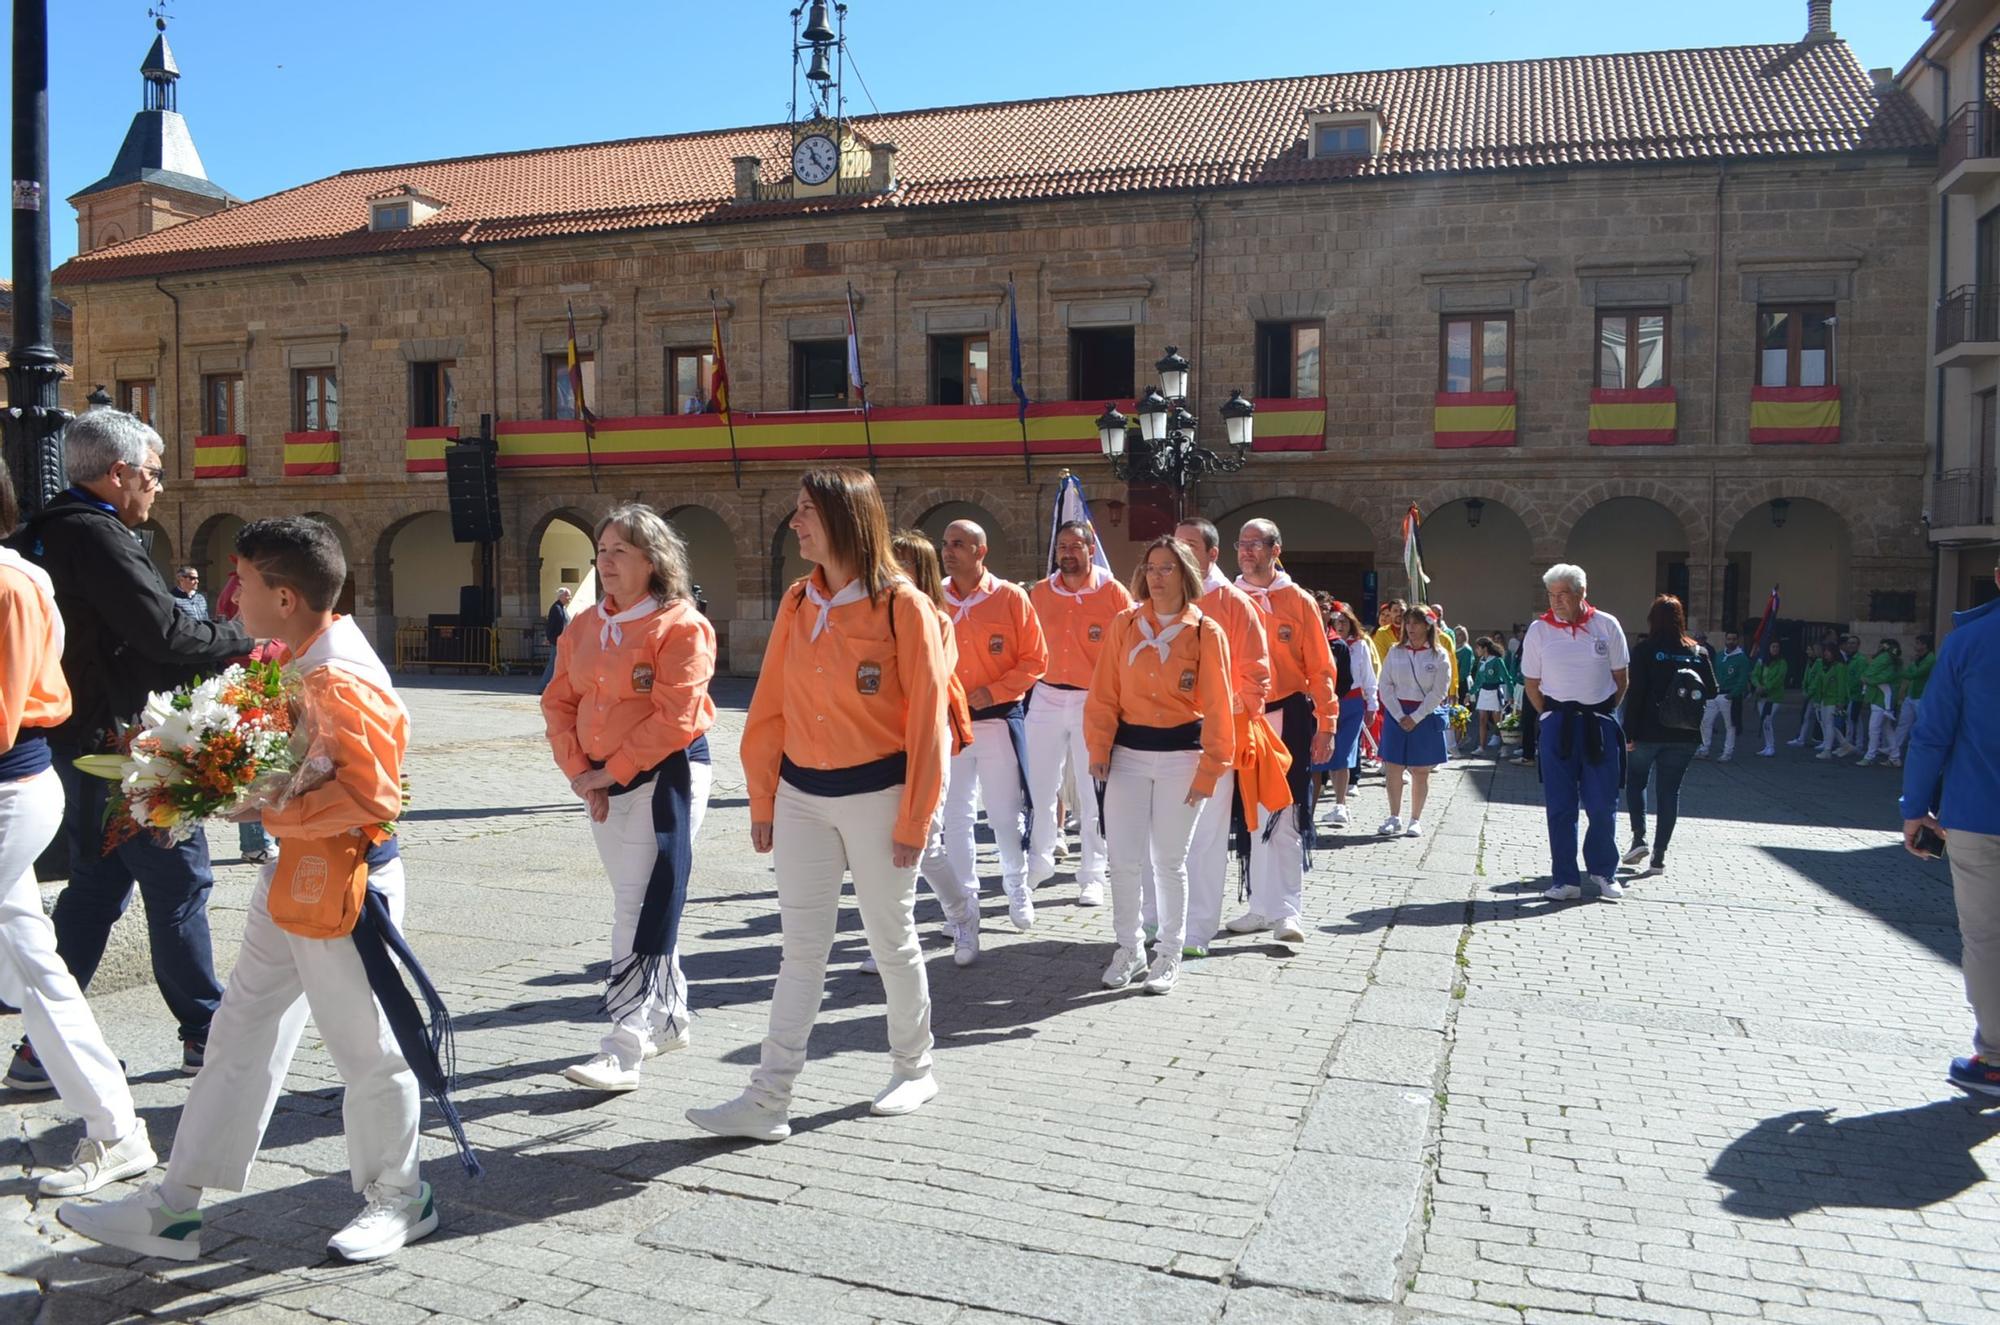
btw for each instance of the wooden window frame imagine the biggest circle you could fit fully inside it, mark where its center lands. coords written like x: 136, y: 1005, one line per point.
x: 704, y: 355
x: 1631, y: 316
x: 1478, y: 366
x: 1076, y: 391
x: 435, y: 370
x: 801, y: 395
x: 146, y: 387
x: 1794, y: 342
x: 1292, y: 330
x: 301, y: 378
x: 233, y: 425
x: 965, y: 341
x: 555, y: 367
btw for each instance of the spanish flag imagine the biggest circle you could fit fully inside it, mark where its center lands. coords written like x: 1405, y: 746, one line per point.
x: 1643, y: 417
x: 1473, y: 418
x: 1795, y: 414
x: 718, y: 376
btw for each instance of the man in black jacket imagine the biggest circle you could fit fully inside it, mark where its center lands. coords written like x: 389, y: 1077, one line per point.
x: 125, y: 638
x: 557, y: 623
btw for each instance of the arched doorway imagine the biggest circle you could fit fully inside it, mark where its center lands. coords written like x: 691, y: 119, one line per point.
x: 1801, y: 547
x: 566, y: 553
x: 344, y: 604
x: 160, y: 549
x: 1324, y: 546
x: 786, y: 563
x: 210, y: 551
x: 938, y: 518
x: 711, y: 560
x: 421, y: 569
x: 1632, y: 549
x: 1480, y: 559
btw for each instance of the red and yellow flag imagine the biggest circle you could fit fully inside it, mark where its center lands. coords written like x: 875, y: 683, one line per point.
x: 718, y: 379
x: 1473, y: 418
x: 1795, y: 414
x: 1646, y: 416
x: 576, y: 380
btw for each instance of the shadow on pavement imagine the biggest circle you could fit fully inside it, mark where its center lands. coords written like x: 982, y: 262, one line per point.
x: 1887, y: 882
x: 1905, y: 1159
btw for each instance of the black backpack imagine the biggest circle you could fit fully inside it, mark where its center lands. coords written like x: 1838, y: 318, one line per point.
x: 1679, y: 703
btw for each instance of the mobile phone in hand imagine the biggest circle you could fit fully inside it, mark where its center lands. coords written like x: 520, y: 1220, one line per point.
x: 1930, y: 842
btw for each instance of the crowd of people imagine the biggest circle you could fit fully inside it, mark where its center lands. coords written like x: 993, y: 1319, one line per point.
x: 1182, y: 719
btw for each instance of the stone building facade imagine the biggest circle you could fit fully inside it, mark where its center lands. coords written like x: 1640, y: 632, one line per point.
x: 1715, y: 223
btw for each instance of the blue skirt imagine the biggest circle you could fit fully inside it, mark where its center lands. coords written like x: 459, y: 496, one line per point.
x: 1347, y: 737
x: 1422, y: 748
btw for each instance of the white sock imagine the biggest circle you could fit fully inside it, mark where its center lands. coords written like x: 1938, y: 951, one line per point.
x: 179, y: 1198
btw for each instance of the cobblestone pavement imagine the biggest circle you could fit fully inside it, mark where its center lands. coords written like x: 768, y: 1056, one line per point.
x: 1719, y: 1099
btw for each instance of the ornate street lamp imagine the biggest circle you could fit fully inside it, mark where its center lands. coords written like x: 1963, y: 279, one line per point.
x: 1475, y: 510
x: 1165, y: 450
x: 1781, y: 507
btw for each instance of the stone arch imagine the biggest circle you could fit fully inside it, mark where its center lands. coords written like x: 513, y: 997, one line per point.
x: 419, y: 570
x: 1632, y: 548
x: 159, y: 545
x: 1866, y: 524
x: 559, y: 550
x: 785, y: 563
x: 1693, y: 520
x: 1523, y: 502
x: 1486, y: 575
x: 210, y: 548
x: 1013, y: 541
x: 1327, y: 546
x: 933, y: 522
x: 1810, y: 557
x: 344, y: 604
x: 711, y: 546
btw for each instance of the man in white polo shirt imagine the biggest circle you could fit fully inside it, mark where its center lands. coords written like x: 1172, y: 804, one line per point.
x: 1574, y: 663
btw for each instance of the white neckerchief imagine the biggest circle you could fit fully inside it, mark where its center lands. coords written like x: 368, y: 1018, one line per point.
x: 1159, y: 643
x: 853, y: 592
x: 342, y: 646
x: 43, y: 586
x: 1099, y: 577
x: 611, y: 629
x: 1213, y: 580
x: 1262, y: 595
x: 962, y: 607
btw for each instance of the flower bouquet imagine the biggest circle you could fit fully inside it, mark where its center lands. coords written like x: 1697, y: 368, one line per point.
x: 224, y: 744
x: 1460, y: 718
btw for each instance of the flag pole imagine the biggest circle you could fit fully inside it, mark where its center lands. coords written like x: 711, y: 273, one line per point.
x: 728, y: 412
x: 1014, y: 366
x: 582, y: 406
x: 855, y: 378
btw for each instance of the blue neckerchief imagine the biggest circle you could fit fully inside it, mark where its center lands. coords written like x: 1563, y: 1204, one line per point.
x: 92, y: 499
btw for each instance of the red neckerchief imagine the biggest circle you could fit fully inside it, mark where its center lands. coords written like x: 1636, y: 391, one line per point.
x: 1575, y: 627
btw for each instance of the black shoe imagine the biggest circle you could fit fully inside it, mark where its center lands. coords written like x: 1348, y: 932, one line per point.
x: 26, y: 1073
x: 193, y: 1054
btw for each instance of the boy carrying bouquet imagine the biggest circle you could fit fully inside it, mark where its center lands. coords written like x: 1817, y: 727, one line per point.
x: 322, y: 923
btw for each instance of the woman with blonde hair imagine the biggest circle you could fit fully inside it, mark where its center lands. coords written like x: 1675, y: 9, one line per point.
x: 844, y: 750
x: 1159, y: 733
x: 627, y: 710
x: 1416, y: 680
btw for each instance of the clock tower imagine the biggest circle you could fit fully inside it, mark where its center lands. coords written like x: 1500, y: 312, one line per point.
x: 824, y: 154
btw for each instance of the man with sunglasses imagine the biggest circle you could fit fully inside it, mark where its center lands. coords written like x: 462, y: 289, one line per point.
x: 126, y: 637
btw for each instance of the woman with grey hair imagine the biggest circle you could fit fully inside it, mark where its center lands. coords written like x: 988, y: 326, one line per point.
x: 627, y: 711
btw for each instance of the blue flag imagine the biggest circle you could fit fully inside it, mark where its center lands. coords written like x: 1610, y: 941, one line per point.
x: 1014, y: 351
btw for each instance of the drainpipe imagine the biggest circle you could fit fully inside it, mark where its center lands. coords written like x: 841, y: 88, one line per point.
x: 492, y: 330
x: 175, y: 300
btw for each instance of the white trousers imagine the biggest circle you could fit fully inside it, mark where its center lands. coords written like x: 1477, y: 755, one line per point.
x: 1056, y: 745
x: 1146, y: 814
x: 1881, y: 732
x: 34, y: 979
x: 279, y: 978
x: 1808, y: 722
x: 1830, y: 723
x: 1717, y: 710
x: 816, y: 839
x: 1277, y: 868
x: 989, y: 766
x: 1208, y: 863
x: 1906, y: 722
x: 628, y: 847
x: 1767, y: 712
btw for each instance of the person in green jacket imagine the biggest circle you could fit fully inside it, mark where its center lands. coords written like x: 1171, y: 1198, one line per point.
x: 1768, y: 680
x: 1837, y: 689
x: 1491, y: 678
x: 1881, y: 677
x: 1732, y: 680
x: 1915, y: 677
x: 1809, y: 686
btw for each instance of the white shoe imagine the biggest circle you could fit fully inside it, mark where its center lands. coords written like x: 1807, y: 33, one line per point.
x: 1725, y: 756
x: 1865, y: 761
x: 1248, y: 923
x: 1766, y: 753
x: 1037, y: 876
x: 1824, y: 754
x: 904, y: 1095
x: 1609, y: 889
x: 1090, y: 894
x: 965, y: 943
x: 138, y: 1222
x: 1701, y: 753
x: 603, y: 1072
x: 743, y: 1117
x: 868, y: 965
x: 391, y: 1221
x: 1340, y: 817
x: 1165, y: 974
x: 1126, y: 966
x: 1414, y: 828
x: 1795, y: 744
x: 1060, y: 851
x: 1563, y: 892
x: 674, y: 1043
x: 98, y: 1163
x: 1290, y: 933
x: 1638, y: 852
x: 1391, y: 827
x: 1895, y: 762
x: 1020, y: 908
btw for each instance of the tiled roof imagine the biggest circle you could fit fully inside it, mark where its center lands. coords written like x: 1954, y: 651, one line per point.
x: 1653, y: 107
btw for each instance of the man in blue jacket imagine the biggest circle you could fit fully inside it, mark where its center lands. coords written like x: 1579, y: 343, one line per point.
x: 1951, y: 785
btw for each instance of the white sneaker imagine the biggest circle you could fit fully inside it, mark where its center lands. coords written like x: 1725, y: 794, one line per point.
x: 1126, y: 966
x: 391, y: 1221
x: 743, y: 1117
x: 904, y: 1095
x: 1165, y: 974
x: 1637, y: 852
x: 1290, y: 933
x: 674, y: 1043
x: 1766, y: 753
x: 1895, y: 761
x: 138, y: 1222
x: 98, y: 1163
x: 1090, y: 894
x: 1701, y: 753
x: 1414, y: 828
x: 1060, y: 851
x: 1609, y: 889
x: 1020, y: 907
x: 1824, y: 754
x: 1391, y: 827
x: 869, y: 966
x: 965, y: 943
x: 1340, y: 817
x: 603, y: 1072
x: 1563, y: 892
x: 1794, y: 744
x: 1864, y: 761
x: 1725, y: 756
x: 1248, y: 923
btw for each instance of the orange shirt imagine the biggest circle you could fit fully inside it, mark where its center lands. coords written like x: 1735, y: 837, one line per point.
x: 1301, y: 659
x: 1074, y: 624
x: 858, y: 693
x: 1249, y: 650
x: 629, y: 703
x: 352, y: 710
x: 1191, y: 683
x: 33, y: 692
x: 958, y: 714
x: 1000, y: 645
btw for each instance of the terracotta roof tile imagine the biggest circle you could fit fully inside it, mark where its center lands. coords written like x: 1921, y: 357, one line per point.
x: 1661, y: 106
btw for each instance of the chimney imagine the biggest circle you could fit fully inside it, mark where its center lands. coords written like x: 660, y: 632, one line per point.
x: 1819, y: 21
x: 747, y: 168
x: 882, y: 167
x: 1884, y: 80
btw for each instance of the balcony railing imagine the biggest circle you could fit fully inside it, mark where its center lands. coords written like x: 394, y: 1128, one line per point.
x: 1973, y: 131
x: 1969, y: 313
x: 1963, y: 497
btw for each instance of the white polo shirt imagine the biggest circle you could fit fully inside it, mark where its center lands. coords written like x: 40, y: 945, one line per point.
x: 1574, y: 663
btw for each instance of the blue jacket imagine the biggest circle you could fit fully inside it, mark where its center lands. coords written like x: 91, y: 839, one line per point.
x: 1953, y: 765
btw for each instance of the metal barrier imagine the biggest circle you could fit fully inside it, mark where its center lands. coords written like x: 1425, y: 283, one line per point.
x: 454, y: 647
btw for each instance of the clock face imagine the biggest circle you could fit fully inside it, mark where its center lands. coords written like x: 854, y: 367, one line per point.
x: 815, y: 159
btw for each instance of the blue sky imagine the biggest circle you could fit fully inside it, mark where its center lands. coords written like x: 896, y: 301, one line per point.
x: 279, y: 92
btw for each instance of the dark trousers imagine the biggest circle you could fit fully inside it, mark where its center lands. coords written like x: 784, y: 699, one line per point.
x: 1576, y: 787
x: 1672, y: 759
x: 173, y: 882
x: 1530, y: 727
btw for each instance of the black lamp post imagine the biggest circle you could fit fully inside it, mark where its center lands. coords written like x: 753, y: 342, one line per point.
x: 1165, y: 450
x: 32, y: 423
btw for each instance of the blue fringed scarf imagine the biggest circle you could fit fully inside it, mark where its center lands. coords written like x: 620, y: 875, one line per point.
x: 647, y: 973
